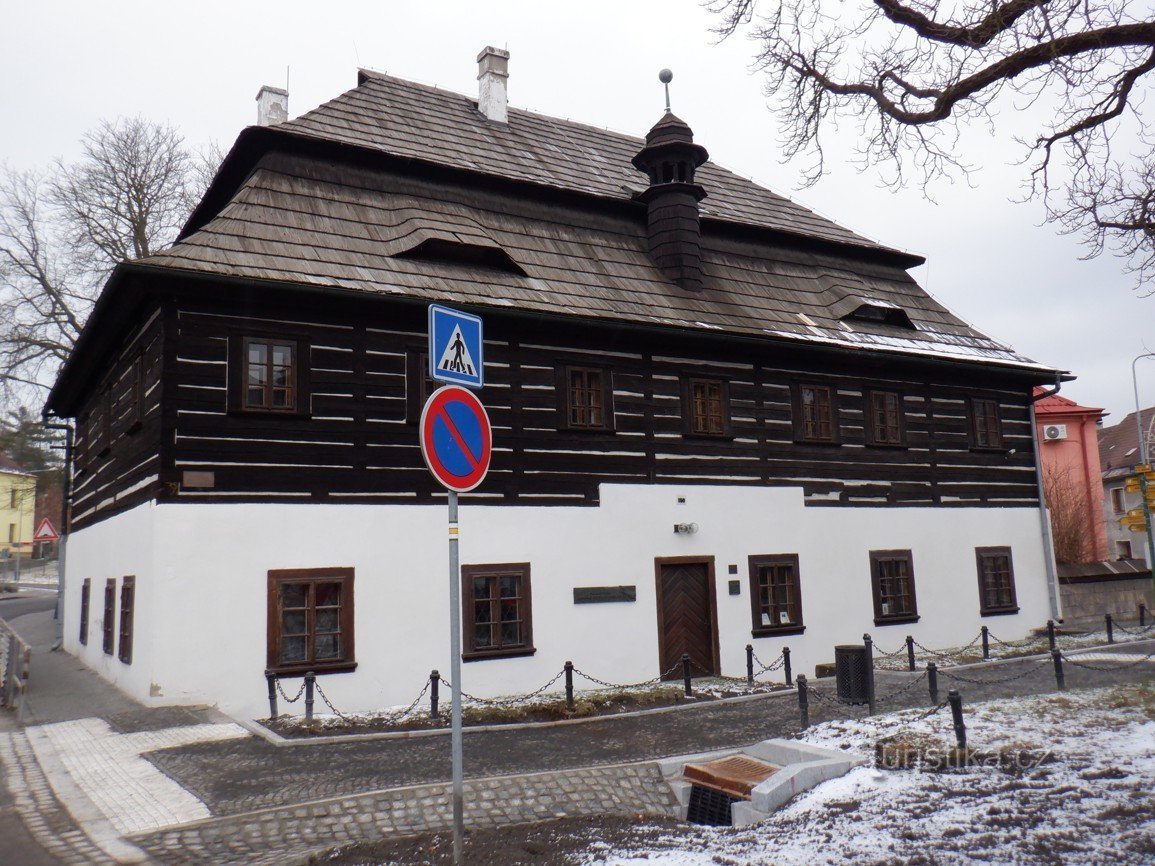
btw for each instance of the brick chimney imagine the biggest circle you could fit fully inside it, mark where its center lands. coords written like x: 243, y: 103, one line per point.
x: 272, y: 106
x: 670, y: 159
x: 492, y: 75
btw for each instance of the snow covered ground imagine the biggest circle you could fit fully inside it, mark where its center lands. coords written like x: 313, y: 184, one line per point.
x: 1068, y: 779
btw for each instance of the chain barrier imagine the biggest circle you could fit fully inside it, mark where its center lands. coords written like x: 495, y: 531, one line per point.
x: 1018, y: 644
x: 1122, y: 665
x: 1136, y: 632
x: 877, y: 650
x: 767, y: 668
x: 885, y: 699
x: 289, y: 700
x: 506, y: 702
x: 329, y: 703
x: 832, y: 699
x: 398, y: 716
x: 1039, y: 663
x: 951, y: 653
x: 655, y: 681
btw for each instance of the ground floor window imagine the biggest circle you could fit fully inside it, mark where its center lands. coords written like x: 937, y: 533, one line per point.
x: 496, y: 611
x: 775, y: 594
x: 996, y: 581
x: 892, y: 580
x: 85, y: 602
x: 109, y: 624
x: 310, y: 625
x: 127, y: 609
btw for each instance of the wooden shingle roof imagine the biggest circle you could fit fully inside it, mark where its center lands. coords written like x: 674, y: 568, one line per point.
x: 307, y: 221
x: 437, y: 126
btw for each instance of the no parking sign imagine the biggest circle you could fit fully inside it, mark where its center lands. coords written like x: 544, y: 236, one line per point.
x: 456, y: 438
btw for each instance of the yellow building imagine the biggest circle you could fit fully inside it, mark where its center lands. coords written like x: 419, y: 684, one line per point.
x: 17, y: 507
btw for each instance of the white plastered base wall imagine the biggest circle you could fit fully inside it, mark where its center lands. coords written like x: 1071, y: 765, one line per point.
x: 201, y: 574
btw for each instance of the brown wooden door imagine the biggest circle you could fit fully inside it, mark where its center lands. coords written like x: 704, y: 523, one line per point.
x: 687, y: 618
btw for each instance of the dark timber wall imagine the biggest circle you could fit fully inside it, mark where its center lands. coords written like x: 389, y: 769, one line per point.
x: 360, y: 442
x: 118, y: 432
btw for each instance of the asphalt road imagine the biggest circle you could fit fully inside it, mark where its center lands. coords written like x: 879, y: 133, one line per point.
x: 29, y: 601
x: 15, y: 840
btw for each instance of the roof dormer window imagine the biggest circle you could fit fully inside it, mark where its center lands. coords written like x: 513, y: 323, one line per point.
x: 872, y: 311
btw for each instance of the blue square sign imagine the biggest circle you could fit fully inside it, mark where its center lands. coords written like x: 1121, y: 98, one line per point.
x: 455, y: 347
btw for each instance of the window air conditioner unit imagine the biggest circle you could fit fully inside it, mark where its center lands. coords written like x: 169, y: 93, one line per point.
x: 1055, y: 432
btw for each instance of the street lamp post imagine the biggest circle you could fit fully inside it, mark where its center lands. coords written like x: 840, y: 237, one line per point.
x: 1143, y: 459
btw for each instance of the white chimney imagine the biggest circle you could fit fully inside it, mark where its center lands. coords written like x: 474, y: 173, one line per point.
x: 272, y: 106
x: 492, y: 72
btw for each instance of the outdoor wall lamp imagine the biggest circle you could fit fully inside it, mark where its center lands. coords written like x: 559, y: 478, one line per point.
x: 685, y: 528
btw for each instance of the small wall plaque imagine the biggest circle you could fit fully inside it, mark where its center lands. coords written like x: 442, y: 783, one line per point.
x: 735, y: 587
x: 604, y: 594
x: 198, y: 480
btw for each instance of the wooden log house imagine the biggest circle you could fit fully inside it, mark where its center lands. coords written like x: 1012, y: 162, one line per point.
x: 719, y: 419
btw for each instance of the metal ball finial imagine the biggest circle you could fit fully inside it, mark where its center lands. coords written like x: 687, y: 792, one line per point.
x: 666, y: 76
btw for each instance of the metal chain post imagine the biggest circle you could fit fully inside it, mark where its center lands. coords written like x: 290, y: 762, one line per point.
x: 956, y: 711
x: 271, y: 681
x: 932, y: 681
x: 686, y: 673
x: 803, y: 702
x: 1051, y: 633
x: 786, y: 662
x: 1057, y: 658
x: 986, y: 636
x: 1110, y: 629
x: 869, y: 643
x: 310, y: 682
x: 910, y: 652
x: 569, y: 686
x: 749, y: 664
x: 434, y: 685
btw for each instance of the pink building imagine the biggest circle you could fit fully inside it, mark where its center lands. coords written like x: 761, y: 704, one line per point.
x: 1069, y: 447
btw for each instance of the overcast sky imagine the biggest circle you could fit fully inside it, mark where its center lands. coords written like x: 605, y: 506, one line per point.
x: 66, y: 65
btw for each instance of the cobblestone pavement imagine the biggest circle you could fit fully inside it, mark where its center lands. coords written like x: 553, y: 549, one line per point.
x: 109, y: 771
x: 246, y: 775
x: 288, y: 834
x: 42, y: 814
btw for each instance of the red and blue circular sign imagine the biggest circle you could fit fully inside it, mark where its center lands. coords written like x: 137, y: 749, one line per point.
x: 456, y: 439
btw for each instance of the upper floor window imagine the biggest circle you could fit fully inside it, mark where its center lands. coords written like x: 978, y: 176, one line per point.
x: 775, y: 594
x: 815, y: 417
x: 1118, y: 500
x: 892, y: 582
x: 310, y: 626
x: 985, y: 425
x: 884, y: 422
x: 270, y: 378
x: 996, y: 581
x: 496, y: 609
x: 588, y: 399
x: 706, y: 407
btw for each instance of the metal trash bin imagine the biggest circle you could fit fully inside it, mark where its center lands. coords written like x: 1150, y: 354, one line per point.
x: 852, y: 673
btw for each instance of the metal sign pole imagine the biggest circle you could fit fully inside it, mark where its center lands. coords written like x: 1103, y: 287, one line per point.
x: 455, y: 674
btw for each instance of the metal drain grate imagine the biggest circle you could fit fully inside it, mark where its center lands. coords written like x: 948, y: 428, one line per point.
x: 710, y: 807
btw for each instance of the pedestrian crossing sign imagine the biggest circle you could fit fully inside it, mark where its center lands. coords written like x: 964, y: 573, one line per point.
x: 455, y: 347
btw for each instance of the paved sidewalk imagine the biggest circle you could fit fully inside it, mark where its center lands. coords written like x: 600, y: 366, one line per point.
x: 98, y: 778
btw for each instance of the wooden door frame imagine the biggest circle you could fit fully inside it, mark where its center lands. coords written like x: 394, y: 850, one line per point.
x: 712, y: 601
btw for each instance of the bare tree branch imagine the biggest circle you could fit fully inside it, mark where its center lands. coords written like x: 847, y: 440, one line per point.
x: 914, y: 74
x: 62, y: 232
